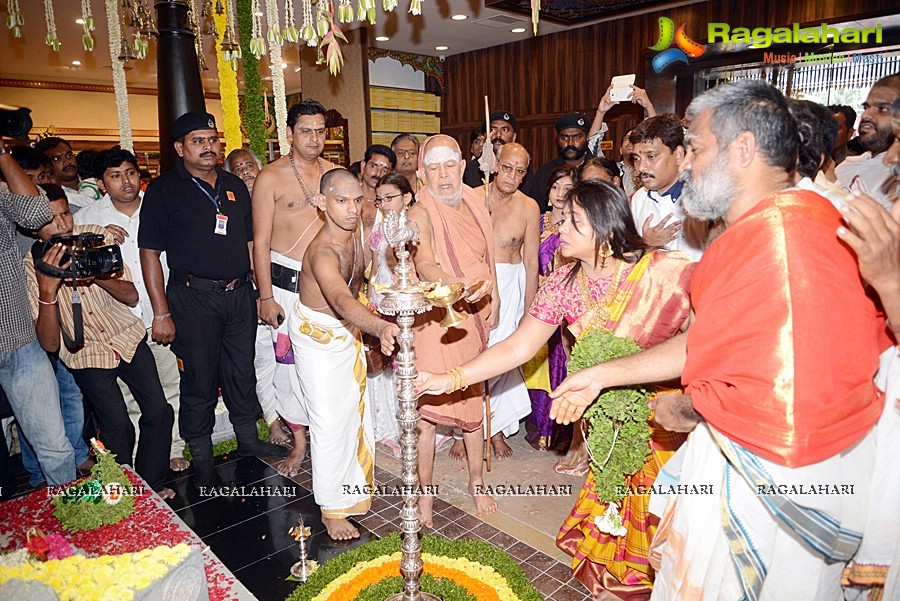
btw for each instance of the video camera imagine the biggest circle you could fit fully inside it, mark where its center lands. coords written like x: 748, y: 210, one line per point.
x: 89, y: 254
x: 15, y: 122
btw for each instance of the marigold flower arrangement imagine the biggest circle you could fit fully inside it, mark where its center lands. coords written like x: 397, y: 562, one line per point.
x: 459, y: 570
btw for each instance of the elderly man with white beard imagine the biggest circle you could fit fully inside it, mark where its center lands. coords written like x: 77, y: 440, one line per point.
x: 777, y: 369
x: 456, y: 245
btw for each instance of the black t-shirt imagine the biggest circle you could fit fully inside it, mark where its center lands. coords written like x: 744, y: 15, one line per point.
x: 179, y: 218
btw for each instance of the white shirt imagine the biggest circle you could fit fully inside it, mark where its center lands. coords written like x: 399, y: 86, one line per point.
x: 103, y: 213
x: 77, y: 200
x: 692, y: 237
x: 832, y: 193
x: 866, y: 174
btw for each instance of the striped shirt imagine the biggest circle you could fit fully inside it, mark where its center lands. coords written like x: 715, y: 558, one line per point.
x: 30, y: 212
x: 111, y: 331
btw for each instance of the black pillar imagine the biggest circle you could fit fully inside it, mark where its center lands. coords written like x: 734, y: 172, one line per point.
x: 178, y: 78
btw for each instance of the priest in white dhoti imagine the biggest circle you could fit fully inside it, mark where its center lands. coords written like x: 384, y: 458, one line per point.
x: 325, y: 327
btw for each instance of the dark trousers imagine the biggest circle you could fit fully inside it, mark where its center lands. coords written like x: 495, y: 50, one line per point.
x: 215, y: 337
x: 103, y: 394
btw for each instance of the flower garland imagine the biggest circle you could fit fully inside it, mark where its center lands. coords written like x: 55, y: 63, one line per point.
x: 619, y: 435
x: 119, y: 84
x: 459, y: 570
x: 228, y: 88
x: 87, y: 40
x: 257, y: 42
x: 14, y: 18
x: 254, y: 116
x: 52, y: 39
x: 275, y: 62
x: 105, y: 578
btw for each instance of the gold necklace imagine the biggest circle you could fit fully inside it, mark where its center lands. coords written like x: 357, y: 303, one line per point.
x: 599, y: 308
x: 309, y: 197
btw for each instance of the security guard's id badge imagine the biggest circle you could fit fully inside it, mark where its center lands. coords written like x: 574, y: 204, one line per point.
x: 221, y: 225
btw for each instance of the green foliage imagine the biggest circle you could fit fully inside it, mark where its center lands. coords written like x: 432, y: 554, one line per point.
x: 623, y: 408
x: 230, y: 445
x: 254, y: 113
x: 82, y: 507
x: 472, y: 550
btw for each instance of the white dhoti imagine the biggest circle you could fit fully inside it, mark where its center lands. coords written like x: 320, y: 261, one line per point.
x: 331, y: 367
x: 382, y: 388
x: 878, y: 559
x: 276, y: 379
x: 768, y: 532
x: 509, y: 395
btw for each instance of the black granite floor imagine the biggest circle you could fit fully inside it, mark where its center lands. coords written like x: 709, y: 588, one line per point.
x: 249, y: 532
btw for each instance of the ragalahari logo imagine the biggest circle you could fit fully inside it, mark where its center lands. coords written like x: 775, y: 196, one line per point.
x: 686, y: 47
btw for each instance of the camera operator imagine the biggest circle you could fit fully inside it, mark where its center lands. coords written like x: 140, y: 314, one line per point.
x: 26, y: 375
x: 119, y: 210
x: 114, y: 346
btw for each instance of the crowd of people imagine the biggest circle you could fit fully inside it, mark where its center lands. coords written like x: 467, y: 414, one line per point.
x: 751, y: 250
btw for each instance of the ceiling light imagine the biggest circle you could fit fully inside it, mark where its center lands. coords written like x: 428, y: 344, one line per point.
x: 459, y: 17
x: 297, y: 69
x: 284, y: 65
x: 518, y: 30
x: 76, y: 63
x: 382, y: 38
x: 440, y: 47
x: 79, y: 21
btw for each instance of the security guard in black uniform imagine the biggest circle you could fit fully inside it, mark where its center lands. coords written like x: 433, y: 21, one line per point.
x: 199, y: 215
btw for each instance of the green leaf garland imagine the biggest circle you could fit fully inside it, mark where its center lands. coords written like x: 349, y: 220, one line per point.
x: 625, y: 408
x: 82, y: 507
x: 254, y: 114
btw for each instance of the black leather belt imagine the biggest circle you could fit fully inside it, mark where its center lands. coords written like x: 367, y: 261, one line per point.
x: 285, y: 278
x: 192, y: 281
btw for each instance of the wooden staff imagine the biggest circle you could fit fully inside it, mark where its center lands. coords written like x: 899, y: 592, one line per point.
x: 487, y: 418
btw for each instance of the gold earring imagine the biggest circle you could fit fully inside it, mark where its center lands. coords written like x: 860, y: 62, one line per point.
x: 604, y: 253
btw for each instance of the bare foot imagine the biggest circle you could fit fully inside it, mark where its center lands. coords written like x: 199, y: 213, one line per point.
x: 290, y: 465
x: 340, y: 528
x: 484, y: 504
x: 458, y: 450
x: 425, y: 515
x: 501, y: 449
x: 166, y: 493
x: 179, y: 464
x: 277, y: 435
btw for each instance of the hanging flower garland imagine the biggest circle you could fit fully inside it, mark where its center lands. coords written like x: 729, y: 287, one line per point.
x: 254, y: 117
x: 275, y: 62
x: 119, y: 84
x: 228, y: 88
x: 87, y: 40
x: 257, y: 41
x: 290, y: 32
x: 14, y: 18
x: 52, y: 39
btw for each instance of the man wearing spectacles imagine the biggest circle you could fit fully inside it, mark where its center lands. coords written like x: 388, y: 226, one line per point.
x: 406, y: 147
x: 572, y: 141
x: 62, y: 157
x: 515, y: 219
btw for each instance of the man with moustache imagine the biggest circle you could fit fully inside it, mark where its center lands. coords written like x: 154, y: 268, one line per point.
x: 760, y: 412
x: 285, y: 220
x: 326, y: 325
x: 571, y: 139
x: 867, y: 172
x: 657, y: 208
x: 516, y: 223
x: 456, y: 245
x: 244, y: 164
x: 60, y: 153
x: 200, y: 216
x: 406, y: 148
x: 119, y: 211
x: 378, y: 161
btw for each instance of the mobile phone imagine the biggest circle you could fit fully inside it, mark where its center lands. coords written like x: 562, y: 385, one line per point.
x: 621, y: 88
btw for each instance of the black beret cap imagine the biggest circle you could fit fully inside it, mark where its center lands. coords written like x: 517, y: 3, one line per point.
x: 504, y: 116
x: 577, y: 120
x: 189, y: 122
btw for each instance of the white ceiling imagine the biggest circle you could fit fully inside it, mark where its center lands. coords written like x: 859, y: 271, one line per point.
x: 30, y: 58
